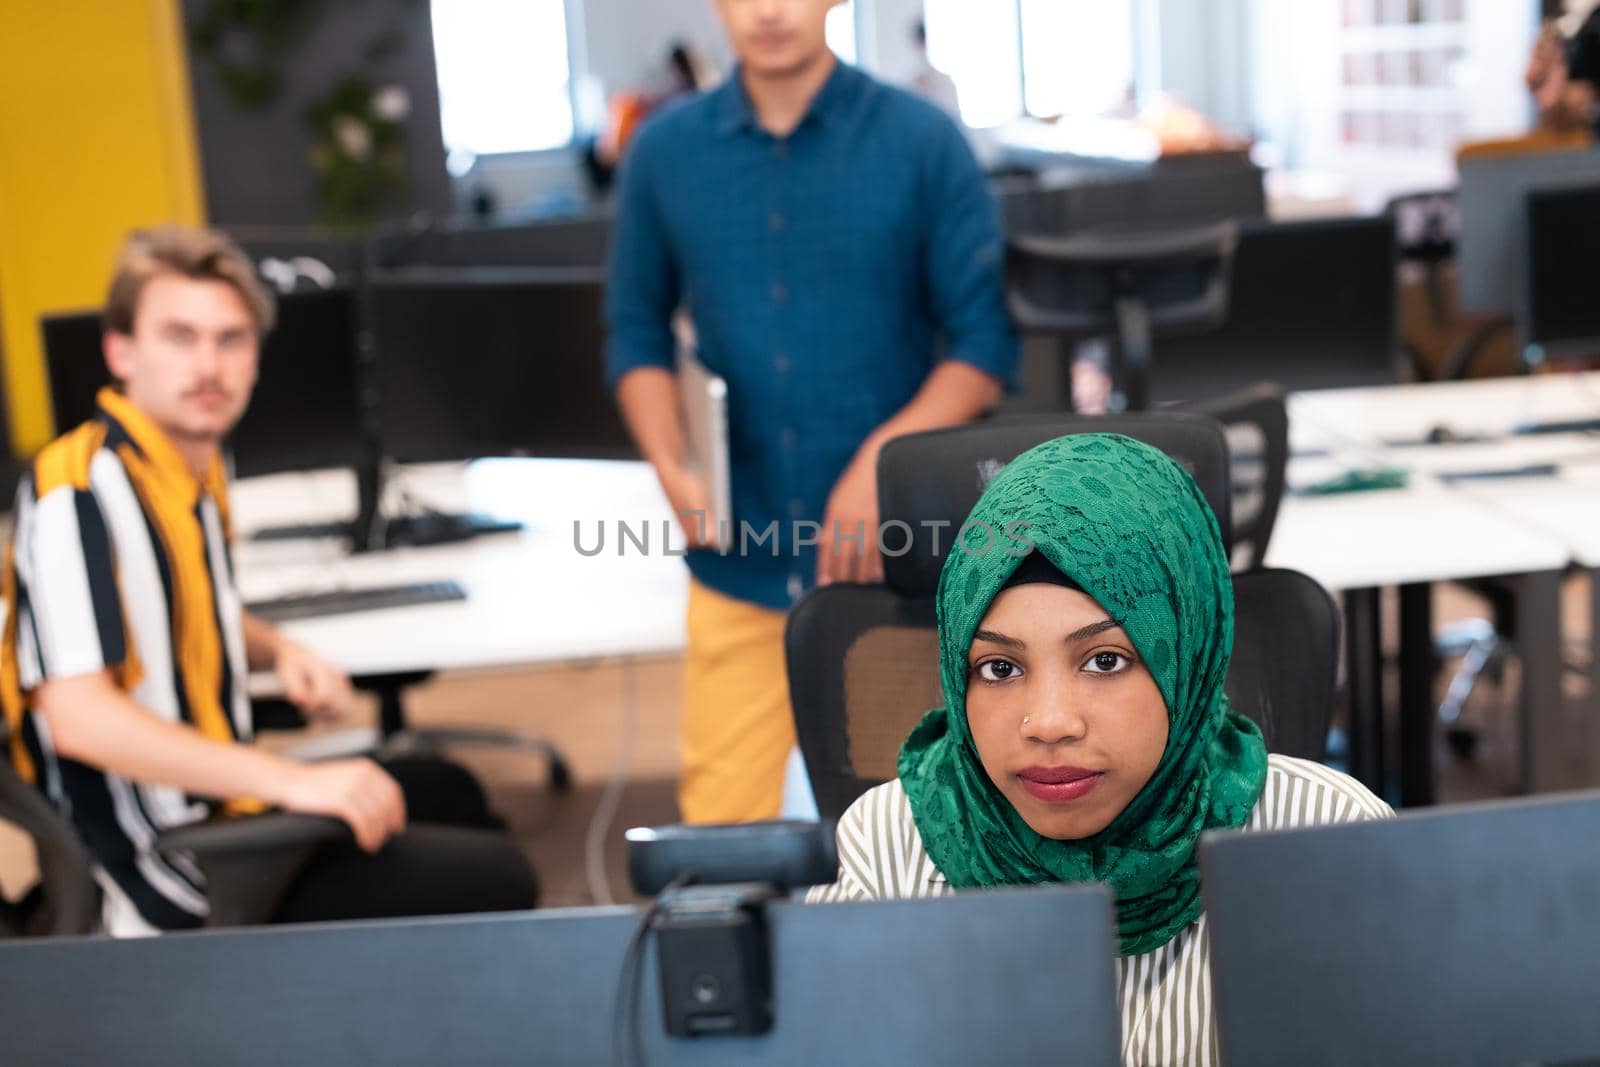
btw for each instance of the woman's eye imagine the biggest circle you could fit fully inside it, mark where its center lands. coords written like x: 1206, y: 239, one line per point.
x: 997, y: 670
x: 1107, y: 663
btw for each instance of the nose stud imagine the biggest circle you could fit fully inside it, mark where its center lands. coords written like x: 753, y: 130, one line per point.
x: 1025, y: 720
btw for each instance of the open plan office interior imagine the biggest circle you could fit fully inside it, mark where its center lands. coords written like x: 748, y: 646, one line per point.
x: 460, y: 661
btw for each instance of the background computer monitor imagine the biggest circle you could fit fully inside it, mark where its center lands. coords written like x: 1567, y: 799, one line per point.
x: 572, y: 241
x: 305, y: 412
x: 1558, y: 312
x: 1491, y: 198
x: 1311, y: 305
x: 74, y: 364
x: 494, y: 362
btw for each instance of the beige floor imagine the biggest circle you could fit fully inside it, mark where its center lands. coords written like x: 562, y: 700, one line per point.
x: 585, y: 709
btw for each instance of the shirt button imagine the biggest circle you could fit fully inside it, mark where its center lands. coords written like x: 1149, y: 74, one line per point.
x: 781, y: 149
x: 776, y: 221
x: 780, y: 363
x: 788, y: 436
x: 797, y: 508
x: 780, y: 292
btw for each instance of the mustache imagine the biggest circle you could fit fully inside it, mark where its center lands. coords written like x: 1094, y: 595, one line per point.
x: 206, y: 388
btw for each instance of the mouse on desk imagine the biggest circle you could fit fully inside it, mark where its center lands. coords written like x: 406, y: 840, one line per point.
x: 1444, y: 435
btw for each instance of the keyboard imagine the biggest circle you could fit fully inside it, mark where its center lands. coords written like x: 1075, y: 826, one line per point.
x: 352, y: 601
x: 1557, y: 426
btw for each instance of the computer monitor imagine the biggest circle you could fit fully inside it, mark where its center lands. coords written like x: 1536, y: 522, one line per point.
x: 1558, y: 313
x: 305, y: 412
x: 75, y: 365
x: 1452, y: 935
x: 573, y: 241
x: 1311, y: 305
x: 1017, y: 976
x: 1491, y: 197
x: 494, y: 362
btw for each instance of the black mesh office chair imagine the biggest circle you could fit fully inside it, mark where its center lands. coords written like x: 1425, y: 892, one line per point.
x: 863, y: 659
x: 1427, y: 225
x: 1129, y: 286
x: 65, y: 900
x: 248, y: 862
x: 1257, y: 425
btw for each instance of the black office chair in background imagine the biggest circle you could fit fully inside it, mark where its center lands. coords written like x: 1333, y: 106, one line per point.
x: 863, y: 659
x: 1427, y: 227
x: 1128, y: 286
x: 248, y: 863
x: 65, y: 899
x: 1257, y: 425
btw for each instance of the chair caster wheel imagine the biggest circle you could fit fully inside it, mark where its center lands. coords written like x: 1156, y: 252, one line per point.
x: 1463, y: 742
x: 560, y: 776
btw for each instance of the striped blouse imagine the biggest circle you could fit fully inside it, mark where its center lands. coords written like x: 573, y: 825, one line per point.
x: 1164, y: 996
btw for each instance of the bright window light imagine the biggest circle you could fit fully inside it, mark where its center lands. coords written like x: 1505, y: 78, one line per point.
x: 975, y: 42
x: 1077, y: 56
x: 503, y: 75
x: 842, y: 31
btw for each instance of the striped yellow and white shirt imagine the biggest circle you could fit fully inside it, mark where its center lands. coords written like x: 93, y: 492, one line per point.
x: 1164, y: 996
x: 119, y: 562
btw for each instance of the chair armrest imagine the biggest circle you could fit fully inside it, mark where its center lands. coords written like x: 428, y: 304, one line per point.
x: 252, y: 833
x: 250, y: 860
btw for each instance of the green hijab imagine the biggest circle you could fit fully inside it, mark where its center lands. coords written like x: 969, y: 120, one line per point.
x: 1132, y: 529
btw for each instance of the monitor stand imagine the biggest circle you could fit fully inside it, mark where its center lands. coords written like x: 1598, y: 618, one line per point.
x: 371, y: 531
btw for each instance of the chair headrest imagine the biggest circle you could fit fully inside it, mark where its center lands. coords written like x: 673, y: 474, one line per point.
x: 931, y: 481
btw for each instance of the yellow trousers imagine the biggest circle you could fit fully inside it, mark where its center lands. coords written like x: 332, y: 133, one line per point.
x: 737, y: 726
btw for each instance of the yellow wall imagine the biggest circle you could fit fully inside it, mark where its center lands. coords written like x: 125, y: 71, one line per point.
x: 96, y: 137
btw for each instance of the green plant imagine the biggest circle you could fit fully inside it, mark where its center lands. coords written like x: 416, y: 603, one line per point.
x: 246, y: 40
x: 358, y: 148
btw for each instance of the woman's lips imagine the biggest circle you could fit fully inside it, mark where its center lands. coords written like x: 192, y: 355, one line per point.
x: 1059, y: 785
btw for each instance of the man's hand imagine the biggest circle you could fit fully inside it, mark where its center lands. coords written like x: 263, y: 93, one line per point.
x: 848, y: 550
x: 691, y: 503
x: 311, y: 683
x: 357, y: 791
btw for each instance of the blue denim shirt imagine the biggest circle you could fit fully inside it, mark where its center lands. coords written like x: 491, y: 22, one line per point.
x: 823, y: 272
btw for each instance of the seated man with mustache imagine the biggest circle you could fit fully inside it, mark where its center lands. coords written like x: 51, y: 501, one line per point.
x: 126, y: 651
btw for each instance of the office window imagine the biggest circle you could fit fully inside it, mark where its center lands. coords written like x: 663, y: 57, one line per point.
x: 1037, y: 57
x: 1077, y: 56
x: 842, y: 31
x: 976, y: 43
x: 504, y: 79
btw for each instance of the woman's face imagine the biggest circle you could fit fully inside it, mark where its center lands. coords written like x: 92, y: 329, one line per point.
x: 1068, y: 723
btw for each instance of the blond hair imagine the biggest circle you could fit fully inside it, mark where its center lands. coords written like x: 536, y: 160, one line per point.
x: 190, y: 252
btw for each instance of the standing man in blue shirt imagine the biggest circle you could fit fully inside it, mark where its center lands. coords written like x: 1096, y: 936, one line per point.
x: 840, y: 256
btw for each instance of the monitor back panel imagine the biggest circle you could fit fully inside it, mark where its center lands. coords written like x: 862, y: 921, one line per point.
x: 1463, y: 936
x: 1312, y: 305
x: 495, y: 362
x: 1490, y: 199
x: 1560, y: 307
x: 1013, y: 977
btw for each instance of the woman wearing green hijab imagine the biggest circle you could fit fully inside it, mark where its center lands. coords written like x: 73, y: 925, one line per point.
x: 1085, y: 736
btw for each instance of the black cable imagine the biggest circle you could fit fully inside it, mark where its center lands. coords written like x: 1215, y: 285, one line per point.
x: 626, y: 1041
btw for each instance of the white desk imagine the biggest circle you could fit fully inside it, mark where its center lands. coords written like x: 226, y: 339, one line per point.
x: 1528, y: 527
x: 1382, y: 414
x: 532, y: 597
